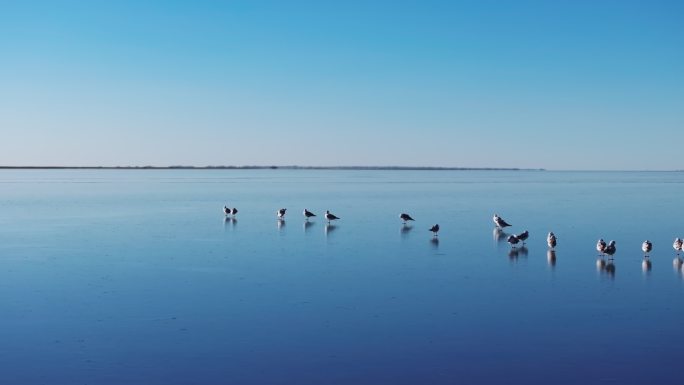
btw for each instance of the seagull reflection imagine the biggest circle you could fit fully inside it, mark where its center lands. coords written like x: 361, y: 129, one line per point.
x: 677, y: 266
x: 600, y: 264
x: 646, y: 265
x: 499, y: 235
x: 523, y: 251
x: 329, y: 228
x: 513, y: 254
x: 606, y: 266
x: 281, y: 224
x: 434, y: 242
x: 229, y: 220
x: 307, y: 224
x: 405, y: 230
x: 551, y: 257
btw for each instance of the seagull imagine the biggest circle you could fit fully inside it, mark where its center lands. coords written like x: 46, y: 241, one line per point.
x: 523, y: 236
x: 646, y: 247
x: 329, y: 216
x: 308, y: 214
x: 405, y: 217
x: 435, y: 230
x: 233, y: 211
x: 281, y: 213
x: 513, y: 240
x: 601, y: 246
x: 677, y: 245
x: 551, y: 240
x: 610, y: 249
x: 499, y: 222
x: 226, y: 210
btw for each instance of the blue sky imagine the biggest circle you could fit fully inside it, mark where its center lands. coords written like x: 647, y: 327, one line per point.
x: 551, y: 84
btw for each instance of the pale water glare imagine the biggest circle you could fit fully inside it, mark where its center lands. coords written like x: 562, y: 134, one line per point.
x: 136, y: 277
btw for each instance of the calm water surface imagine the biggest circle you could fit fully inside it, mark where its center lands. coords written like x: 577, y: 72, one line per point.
x: 134, y: 277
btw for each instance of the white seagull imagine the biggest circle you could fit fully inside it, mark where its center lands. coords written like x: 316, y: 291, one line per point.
x: 601, y: 246
x: 226, y: 210
x: 499, y: 222
x: 281, y: 213
x: 677, y: 245
x: 646, y: 247
x: 551, y: 240
x: 434, y: 229
x: 329, y: 216
x: 308, y: 214
x: 405, y: 217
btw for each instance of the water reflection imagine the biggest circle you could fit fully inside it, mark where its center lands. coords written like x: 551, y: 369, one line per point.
x: 551, y: 258
x: 281, y: 224
x: 600, y: 264
x: 677, y: 265
x: 229, y: 221
x: 329, y: 228
x: 307, y: 224
x: 499, y: 235
x: 606, y: 266
x: 610, y: 269
x: 405, y: 230
x: 516, y: 252
x: 646, y: 265
x: 434, y: 242
x: 513, y: 254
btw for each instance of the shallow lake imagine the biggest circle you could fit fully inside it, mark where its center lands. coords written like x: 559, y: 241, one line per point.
x: 137, y: 277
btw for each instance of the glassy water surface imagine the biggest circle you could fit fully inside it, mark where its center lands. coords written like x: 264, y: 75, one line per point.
x: 137, y: 277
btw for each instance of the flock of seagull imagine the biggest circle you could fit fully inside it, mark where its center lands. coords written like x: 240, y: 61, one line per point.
x: 604, y: 249
x: 281, y: 214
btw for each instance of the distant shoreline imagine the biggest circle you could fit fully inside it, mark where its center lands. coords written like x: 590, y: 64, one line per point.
x: 381, y: 168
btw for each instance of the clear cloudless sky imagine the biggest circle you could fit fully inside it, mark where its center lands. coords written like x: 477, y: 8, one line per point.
x: 541, y: 84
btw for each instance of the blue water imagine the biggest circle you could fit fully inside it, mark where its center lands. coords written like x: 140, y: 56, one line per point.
x: 134, y: 277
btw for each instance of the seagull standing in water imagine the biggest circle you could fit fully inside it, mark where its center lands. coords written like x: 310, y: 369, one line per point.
x: 435, y: 230
x: 281, y: 213
x: 499, y: 222
x: 610, y: 249
x: 646, y: 247
x: 523, y: 236
x: 330, y: 216
x: 233, y: 211
x: 677, y: 245
x: 601, y: 246
x: 308, y: 214
x: 226, y: 210
x: 551, y: 240
x: 513, y: 240
x: 405, y: 217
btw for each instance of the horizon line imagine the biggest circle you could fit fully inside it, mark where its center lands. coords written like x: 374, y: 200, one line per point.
x: 267, y: 167
x: 299, y: 167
